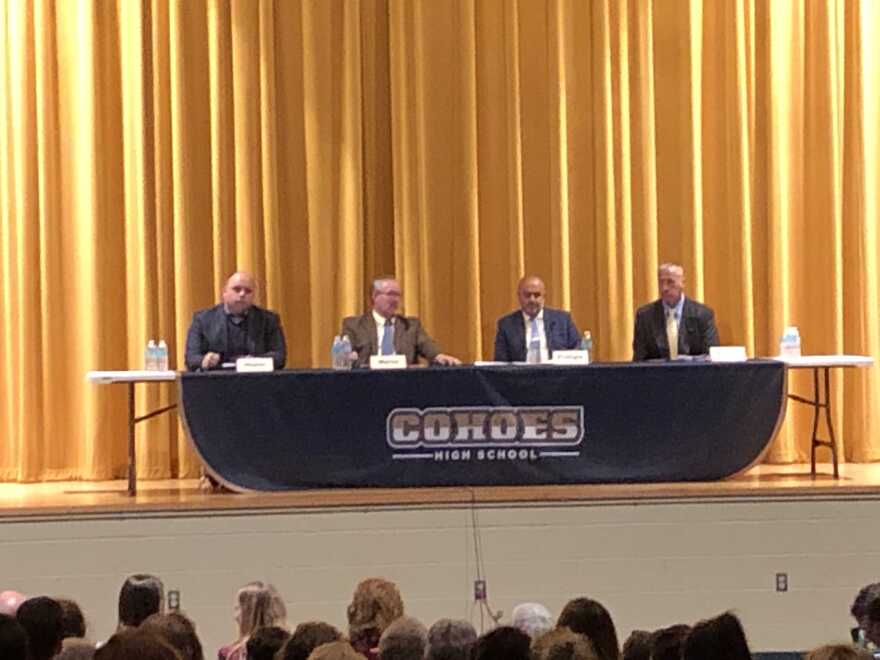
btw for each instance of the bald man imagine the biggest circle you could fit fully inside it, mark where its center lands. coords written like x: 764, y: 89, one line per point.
x: 533, y: 324
x: 235, y: 328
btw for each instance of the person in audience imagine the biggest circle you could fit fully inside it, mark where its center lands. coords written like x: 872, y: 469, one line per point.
x: 667, y: 643
x: 234, y: 328
x: 264, y: 643
x: 859, y: 610
x: 41, y: 619
x: 257, y: 605
x: 721, y: 638
x: 838, y: 652
x: 637, y: 646
x: 405, y: 639
x: 73, y: 622
x: 135, y: 644
x: 532, y: 618
x: 533, y: 324
x: 176, y: 630
x: 13, y: 639
x: 340, y: 650
x: 10, y: 602
x: 449, y: 639
x: 140, y: 596
x: 563, y: 644
x: 502, y: 643
x: 588, y: 617
x: 76, y: 648
x: 376, y: 602
x: 382, y: 331
x: 872, y: 624
x: 673, y: 325
x: 306, y: 638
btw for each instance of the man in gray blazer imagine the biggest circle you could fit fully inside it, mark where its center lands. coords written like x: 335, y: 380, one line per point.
x: 234, y: 328
x: 382, y: 331
x: 673, y: 321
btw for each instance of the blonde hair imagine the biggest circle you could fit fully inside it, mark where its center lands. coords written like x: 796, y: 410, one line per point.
x: 335, y: 651
x: 563, y: 644
x: 261, y: 607
x: 838, y: 652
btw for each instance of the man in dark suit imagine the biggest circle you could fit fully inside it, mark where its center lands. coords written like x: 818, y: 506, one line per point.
x: 533, y: 325
x: 673, y: 321
x: 382, y: 331
x: 234, y: 328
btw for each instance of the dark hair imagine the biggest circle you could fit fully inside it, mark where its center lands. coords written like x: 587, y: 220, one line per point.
x: 306, y: 638
x: 637, y: 646
x: 140, y: 596
x: 264, y: 643
x: 13, y: 639
x: 867, y: 595
x: 76, y: 648
x: 41, y: 619
x: 721, y: 638
x: 450, y: 640
x: 73, y: 623
x: 136, y: 645
x: 177, y: 631
x: 589, y: 617
x: 666, y: 643
x: 503, y: 643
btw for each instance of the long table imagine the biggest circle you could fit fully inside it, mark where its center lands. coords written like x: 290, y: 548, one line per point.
x: 495, y: 425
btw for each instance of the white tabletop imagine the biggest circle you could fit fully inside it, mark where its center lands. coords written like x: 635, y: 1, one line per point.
x: 814, y: 361
x: 143, y: 376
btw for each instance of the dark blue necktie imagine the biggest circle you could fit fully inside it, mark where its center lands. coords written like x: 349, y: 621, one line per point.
x: 388, y: 338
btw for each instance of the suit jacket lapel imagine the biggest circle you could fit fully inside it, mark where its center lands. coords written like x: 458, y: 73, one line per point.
x: 660, y: 329
x: 255, y: 332
x: 518, y: 337
x: 368, y: 327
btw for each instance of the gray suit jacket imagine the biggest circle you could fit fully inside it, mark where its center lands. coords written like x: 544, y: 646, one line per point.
x: 410, y: 338
x: 207, y: 333
x: 696, y: 333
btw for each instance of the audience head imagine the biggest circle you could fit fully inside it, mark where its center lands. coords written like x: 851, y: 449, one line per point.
x: 238, y: 292
x: 502, y: 643
x: 404, y: 639
x: 76, y: 648
x: 838, y: 652
x: 259, y: 605
x: 306, y: 638
x: 10, y: 602
x: 376, y: 602
x: 450, y: 640
x: 177, y: 631
x: 667, y: 643
x: 721, y: 638
x: 530, y: 292
x: 136, y: 644
x: 335, y: 651
x: 532, y: 618
x: 73, y: 623
x: 41, y: 619
x: 864, y: 598
x: 386, y: 295
x: 670, y: 281
x: 563, y: 644
x: 264, y: 643
x: 637, y: 646
x: 140, y: 596
x: 589, y: 617
x: 13, y: 639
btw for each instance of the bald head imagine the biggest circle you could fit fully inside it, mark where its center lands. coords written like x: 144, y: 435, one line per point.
x: 530, y: 292
x: 9, y: 602
x: 238, y: 292
x: 670, y: 281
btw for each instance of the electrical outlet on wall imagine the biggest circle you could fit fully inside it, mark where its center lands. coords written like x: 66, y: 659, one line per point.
x: 782, y: 582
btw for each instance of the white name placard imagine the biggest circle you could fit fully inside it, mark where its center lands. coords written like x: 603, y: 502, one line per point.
x: 396, y: 361
x: 728, y: 354
x: 254, y: 364
x: 571, y: 357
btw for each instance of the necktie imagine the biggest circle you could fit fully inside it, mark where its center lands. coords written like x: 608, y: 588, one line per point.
x: 388, y: 338
x: 535, y: 338
x: 672, y: 334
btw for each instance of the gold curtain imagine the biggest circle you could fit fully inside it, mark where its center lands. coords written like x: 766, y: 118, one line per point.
x: 148, y: 148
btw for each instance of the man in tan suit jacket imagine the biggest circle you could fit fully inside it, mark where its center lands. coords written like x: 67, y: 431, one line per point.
x: 382, y: 331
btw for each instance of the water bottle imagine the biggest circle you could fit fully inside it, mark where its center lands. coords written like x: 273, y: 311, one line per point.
x: 150, y: 356
x: 162, y: 356
x: 336, y: 355
x: 790, y: 344
x: 345, y: 349
x: 587, y: 345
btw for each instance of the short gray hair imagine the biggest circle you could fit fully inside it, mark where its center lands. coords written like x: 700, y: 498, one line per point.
x: 533, y: 619
x: 450, y: 639
x: 377, y: 282
x: 405, y: 639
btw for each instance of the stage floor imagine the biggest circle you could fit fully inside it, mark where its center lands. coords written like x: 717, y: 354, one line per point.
x: 763, y: 481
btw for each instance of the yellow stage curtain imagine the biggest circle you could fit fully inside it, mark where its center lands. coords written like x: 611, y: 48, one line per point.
x: 148, y: 148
